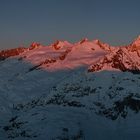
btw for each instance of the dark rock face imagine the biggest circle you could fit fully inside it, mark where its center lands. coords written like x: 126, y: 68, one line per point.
x: 56, y: 45
x: 46, y: 62
x: 116, y: 61
x: 15, y: 129
x: 12, y: 52
x: 63, y: 56
x: 120, y: 108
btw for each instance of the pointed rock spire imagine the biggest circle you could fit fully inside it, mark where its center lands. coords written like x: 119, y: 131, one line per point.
x: 34, y: 45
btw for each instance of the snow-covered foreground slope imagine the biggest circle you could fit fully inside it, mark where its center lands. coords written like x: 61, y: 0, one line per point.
x: 82, y: 91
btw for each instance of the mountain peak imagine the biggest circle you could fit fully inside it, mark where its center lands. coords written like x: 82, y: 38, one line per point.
x: 83, y: 40
x: 34, y: 45
x: 102, y: 45
x: 97, y: 41
x: 60, y: 44
x: 136, y: 42
x: 57, y: 44
x: 135, y: 45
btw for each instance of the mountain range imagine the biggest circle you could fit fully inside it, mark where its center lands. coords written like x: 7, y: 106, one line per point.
x: 87, y: 90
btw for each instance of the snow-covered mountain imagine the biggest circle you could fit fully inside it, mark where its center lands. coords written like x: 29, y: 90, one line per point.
x: 82, y: 91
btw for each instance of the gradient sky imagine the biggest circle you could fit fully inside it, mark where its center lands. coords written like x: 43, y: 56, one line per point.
x: 116, y: 22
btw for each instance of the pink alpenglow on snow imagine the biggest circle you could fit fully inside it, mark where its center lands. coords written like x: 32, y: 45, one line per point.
x: 91, y: 54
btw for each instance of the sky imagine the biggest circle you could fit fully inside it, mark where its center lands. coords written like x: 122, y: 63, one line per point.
x: 22, y: 22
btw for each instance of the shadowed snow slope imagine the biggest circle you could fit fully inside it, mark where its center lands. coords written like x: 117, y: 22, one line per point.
x: 83, y: 91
